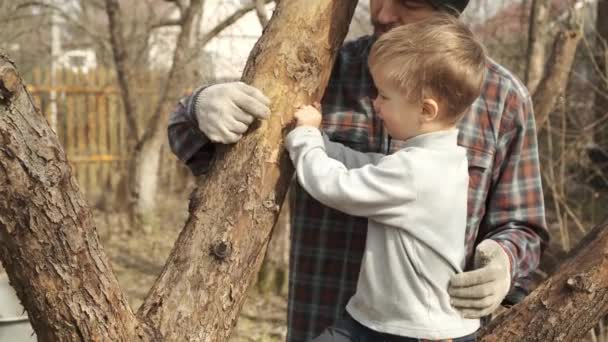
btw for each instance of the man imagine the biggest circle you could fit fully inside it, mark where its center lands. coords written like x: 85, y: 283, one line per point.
x: 506, y: 228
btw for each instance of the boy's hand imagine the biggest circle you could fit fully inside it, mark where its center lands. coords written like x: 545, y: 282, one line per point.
x: 308, y: 116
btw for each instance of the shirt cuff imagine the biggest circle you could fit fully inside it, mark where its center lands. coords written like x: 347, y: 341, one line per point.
x: 301, y: 132
x: 509, y: 249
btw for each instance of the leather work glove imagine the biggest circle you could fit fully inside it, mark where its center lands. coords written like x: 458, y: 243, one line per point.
x: 479, y: 292
x: 224, y: 111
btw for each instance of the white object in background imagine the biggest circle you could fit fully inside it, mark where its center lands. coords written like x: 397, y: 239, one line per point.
x: 14, y: 324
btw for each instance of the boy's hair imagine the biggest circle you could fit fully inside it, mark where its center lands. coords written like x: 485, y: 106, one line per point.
x: 437, y: 58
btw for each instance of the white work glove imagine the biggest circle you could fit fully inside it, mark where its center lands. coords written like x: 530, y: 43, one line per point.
x: 479, y: 292
x: 224, y: 111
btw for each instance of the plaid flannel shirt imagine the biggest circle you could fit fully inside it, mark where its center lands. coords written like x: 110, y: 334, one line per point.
x: 505, y: 200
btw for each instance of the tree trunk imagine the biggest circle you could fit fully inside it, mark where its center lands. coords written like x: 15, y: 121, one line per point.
x: 537, y: 39
x: 48, y: 245
x: 144, y: 162
x: 50, y: 248
x: 274, y: 274
x: 143, y: 181
x: 565, y: 306
x: 555, y: 80
x: 222, y: 246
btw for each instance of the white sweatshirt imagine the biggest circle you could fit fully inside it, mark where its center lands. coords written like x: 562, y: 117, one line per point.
x: 416, y: 203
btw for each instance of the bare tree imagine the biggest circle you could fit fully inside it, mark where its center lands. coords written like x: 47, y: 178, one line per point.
x: 144, y: 163
x: 537, y: 39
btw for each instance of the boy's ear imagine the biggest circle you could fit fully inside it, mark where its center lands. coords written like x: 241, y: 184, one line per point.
x: 430, y: 110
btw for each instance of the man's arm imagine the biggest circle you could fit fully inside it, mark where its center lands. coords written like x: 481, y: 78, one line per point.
x: 513, y: 230
x: 186, y: 140
x: 220, y: 113
x: 368, y: 191
x: 516, y: 212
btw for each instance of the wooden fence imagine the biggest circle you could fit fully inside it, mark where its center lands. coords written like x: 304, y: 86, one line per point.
x: 91, y: 123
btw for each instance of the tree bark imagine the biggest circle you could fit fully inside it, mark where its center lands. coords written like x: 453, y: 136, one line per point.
x: 567, y: 305
x: 274, y: 273
x: 222, y: 246
x: 50, y: 248
x: 48, y: 245
x: 537, y: 39
x: 555, y: 80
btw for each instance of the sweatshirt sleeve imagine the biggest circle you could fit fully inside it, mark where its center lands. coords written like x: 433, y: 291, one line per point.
x: 369, y: 191
x: 350, y: 158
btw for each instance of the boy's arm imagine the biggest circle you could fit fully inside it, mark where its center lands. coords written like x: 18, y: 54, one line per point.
x: 369, y: 191
x: 350, y: 158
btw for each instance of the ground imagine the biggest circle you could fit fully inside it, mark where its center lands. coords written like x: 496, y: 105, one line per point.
x: 137, y: 258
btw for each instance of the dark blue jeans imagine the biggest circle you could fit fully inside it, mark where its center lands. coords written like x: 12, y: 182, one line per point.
x: 349, y: 330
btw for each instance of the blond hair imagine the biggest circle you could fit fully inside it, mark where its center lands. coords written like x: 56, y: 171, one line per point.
x: 438, y: 58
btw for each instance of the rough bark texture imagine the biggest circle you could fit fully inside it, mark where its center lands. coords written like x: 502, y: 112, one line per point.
x: 202, y: 287
x: 555, y: 80
x: 274, y: 274
x: 48, y: 245
x: 567, y: 305
x: 537, y: 39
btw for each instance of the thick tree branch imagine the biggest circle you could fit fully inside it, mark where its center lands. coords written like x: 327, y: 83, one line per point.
x: 48, y: 244
x: 220, y: 250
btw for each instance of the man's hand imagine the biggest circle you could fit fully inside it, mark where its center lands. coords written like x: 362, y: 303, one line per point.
x: 308, y: 116
x: 224, y: 111
x: 478, y: 293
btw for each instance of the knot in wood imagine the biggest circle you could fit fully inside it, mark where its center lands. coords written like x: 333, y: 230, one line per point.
x: 221, y: 250
x: 9, y: 82
x: 580, y: 283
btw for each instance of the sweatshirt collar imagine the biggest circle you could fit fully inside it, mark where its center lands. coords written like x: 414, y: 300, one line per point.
x: 443, y: 138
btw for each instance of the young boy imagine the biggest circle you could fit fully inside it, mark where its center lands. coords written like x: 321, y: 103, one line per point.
x: 427, y: 74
